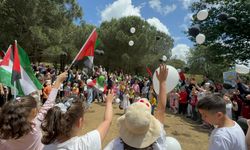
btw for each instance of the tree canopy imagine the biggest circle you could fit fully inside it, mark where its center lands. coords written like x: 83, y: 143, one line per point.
x: 55, y: 30
x: 227, y: 36
x: 41, y: 27
x: 149, y: 44
x: 226, y: 39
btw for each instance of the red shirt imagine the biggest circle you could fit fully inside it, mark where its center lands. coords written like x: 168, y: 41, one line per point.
x: 183, y: 97
x: 182, y: 76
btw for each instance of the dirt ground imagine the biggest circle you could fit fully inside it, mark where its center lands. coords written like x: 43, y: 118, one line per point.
x: 188, y: 133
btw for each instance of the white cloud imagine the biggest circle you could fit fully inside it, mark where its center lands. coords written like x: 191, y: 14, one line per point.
x: 184, y: 27
x: 180, y: 51
x: 187, y: 3
x: 187, y: 21
x: 177, y: 38
x: 188, y: 17
x: 122, y: 8
x: 118, y: 9
x: 164, y: 10
x: 158, y: 24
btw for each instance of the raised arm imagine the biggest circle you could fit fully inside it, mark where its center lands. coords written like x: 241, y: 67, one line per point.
x: 161, y: 108
x: 199, y: 88
x: 1, y: 89
x: 104, y: 126
x: 52, y: 96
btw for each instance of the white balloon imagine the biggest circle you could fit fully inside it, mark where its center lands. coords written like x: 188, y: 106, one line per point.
x: 172, y: 79
x: 131, y: 43
x: 242, y: 69
x: 164, y: 58
x: 202, y: 15
x: 132, y: 30
x: 172, y: 143
x: 117, y: 101
x: 200, y: 38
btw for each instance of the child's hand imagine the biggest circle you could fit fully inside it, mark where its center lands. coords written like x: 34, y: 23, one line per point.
x: 109, y: 98
x: 235, y: 103
x: 62, y: 77
x: 162, y: 76
x: 248, y: 97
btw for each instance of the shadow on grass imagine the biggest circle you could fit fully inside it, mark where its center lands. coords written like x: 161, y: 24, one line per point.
x: 193, y: 124
x: 118, y: 114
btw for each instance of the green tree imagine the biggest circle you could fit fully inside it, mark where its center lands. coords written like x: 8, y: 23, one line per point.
x: 177, y: 63
x: 149, y: 44
x: 41, y: 27
x: 228, y: 39
x: 201, y: 61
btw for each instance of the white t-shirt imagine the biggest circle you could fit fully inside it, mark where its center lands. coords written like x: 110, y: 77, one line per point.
x: 228, y: 138
x: 160, y: 143
x: 89, y: 141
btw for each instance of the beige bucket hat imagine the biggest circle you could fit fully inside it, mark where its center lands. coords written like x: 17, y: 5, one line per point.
x: 138, y: 128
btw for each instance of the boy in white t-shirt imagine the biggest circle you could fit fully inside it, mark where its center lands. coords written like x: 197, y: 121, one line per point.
x: 228, y: 135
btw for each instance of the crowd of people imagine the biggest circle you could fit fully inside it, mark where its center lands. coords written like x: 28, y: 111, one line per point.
x: 53, y: 117
x: 184, y: 100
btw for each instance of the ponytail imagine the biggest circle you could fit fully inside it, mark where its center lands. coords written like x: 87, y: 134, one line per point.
x: 51, y: 125
x: 59, y: 120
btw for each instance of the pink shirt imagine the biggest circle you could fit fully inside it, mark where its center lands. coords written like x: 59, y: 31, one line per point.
x: 31, y: 141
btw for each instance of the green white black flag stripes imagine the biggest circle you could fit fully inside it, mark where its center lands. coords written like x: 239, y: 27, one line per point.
x: 28, y: 83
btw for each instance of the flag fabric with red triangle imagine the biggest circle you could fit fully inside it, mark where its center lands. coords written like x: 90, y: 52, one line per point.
x: 6, y: 58
x: 87, y: 50
x: 6, y: 69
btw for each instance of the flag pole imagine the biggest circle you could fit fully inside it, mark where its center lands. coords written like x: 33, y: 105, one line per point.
x: 80, y: 50
x: 15, y: 93
x: 15, y: 90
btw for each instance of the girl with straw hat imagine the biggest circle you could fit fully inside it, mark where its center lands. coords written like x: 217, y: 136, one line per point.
x: 138, y: 129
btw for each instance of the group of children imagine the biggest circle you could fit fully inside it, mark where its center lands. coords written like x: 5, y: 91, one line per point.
x: 23, y: 125
x: 59, y: 126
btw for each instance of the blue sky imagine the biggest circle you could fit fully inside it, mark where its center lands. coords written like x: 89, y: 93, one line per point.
x: 169, y: 16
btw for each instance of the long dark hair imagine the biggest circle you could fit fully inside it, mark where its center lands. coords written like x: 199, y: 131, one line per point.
x: 127, y: 147
x: 14, y: 115
x: 58, y: 123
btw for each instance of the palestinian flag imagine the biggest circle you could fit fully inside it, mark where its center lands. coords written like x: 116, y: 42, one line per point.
x: 16, y: 67
x: 99, y: 83
x: 6, y: 69
x: 87, y: 51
